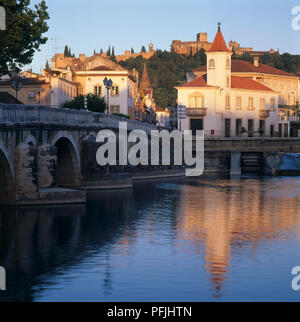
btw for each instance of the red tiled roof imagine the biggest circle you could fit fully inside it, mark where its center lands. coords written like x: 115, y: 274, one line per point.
x: 236, y: 82
x: 242, y: 66
x: 218, y: 44
x: 198, y: 82
x: 247, y: 83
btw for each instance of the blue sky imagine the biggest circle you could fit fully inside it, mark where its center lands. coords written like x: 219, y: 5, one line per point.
x: 95, y: 24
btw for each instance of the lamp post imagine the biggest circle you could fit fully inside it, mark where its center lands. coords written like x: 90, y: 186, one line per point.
x: 108, y: 84
x: 16, y: 83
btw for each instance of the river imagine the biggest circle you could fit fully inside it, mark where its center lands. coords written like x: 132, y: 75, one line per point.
x: 184, y: 240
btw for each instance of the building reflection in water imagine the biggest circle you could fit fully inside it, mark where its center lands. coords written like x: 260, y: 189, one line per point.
x: 230, y: 216
x: 218, y: 218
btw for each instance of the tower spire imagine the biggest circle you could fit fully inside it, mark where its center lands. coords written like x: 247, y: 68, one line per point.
x: 219, y: 26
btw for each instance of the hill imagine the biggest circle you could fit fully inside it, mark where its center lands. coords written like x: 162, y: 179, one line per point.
x: 167, y: 69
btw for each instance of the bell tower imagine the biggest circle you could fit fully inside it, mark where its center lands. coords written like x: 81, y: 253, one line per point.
x: 219, y: 62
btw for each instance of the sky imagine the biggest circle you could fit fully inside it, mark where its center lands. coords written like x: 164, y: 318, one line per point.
x: 95, y: 24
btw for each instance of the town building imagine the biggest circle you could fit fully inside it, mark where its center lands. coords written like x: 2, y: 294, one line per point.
x: 69, y: 77
x: 229, y: 98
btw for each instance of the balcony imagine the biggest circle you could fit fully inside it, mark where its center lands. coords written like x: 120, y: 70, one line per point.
x: 200, y: 112
x: 288, y: 106
x: 263, y: 114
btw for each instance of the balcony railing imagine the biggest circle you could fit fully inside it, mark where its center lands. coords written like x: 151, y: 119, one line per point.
x: 288, y: 106
x: 263, y: 114
x: 196, y: 111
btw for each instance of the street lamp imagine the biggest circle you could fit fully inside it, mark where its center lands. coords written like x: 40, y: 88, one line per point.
x: 16, y: 83
x: 108, y: 84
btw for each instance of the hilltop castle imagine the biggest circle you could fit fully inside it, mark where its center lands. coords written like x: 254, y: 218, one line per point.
x: 192, y: 47
x: 128, y: 54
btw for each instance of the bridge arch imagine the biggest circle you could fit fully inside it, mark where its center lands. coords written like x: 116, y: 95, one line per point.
x: 68, y: 161
x: 6, y: 177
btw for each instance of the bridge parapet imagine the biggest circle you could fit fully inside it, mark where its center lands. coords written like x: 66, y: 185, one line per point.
x: 10, y: 114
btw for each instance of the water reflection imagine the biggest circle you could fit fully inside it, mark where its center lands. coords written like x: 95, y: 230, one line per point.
x: 229, y: 216
x: 150, y: 237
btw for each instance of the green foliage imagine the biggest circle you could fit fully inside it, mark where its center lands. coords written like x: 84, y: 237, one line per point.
x: 143, y: 50
x: 68, y: 52
x: 132, y: 51
x: 47, y: 66
x: 23, y: 36
x: 166, y: 70
x: 94, y: 103
x: 108, y: 53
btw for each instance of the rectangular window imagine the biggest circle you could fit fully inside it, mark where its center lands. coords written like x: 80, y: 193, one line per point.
x: 238, y: 102
x: 98, y: 90
x: 262, y: 104
x: 250, y: 128
x: 115, y: 90
x: 272, y: 103
x: 238, y: 127
x: 227, y: 102
x: 250, y: 103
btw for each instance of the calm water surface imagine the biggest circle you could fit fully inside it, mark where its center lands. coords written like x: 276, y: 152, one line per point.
x: 190, y: 240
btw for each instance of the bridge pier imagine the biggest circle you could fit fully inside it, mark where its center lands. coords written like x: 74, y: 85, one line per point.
x: 235, y: 164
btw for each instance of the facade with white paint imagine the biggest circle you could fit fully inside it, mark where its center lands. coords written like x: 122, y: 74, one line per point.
x: 225, y: 103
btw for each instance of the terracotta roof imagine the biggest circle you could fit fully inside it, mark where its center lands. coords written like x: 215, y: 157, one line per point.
x: 236, y: 82
x: 242, y: 66
x: 101, y: 68
x: 198, y: 82
x: 218, y: 44
x: 247, y: 83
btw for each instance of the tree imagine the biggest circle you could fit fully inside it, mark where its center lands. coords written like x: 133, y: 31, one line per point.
x: 94, y: 103
x: 66, y: 51
x: 108, y: 51
x: 143, y: 50
x: 25, y: 27
x: 132, y: 51
x: 47, y: 67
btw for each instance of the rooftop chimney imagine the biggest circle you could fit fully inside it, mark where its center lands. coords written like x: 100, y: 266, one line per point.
x: 256, y: 61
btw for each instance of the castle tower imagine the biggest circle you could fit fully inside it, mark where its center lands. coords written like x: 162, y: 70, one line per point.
x: 219, y: 63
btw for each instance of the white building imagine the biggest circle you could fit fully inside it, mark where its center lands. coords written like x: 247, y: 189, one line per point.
x: 224, y: 104
x: 87, y: 75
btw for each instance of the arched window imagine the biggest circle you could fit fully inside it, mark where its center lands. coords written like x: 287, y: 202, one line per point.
x: 211, y: 64
x: 196, y: 100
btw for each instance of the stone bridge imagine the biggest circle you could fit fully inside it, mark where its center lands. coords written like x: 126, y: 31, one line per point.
x: 48, y: 155
x: 42, y: 148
